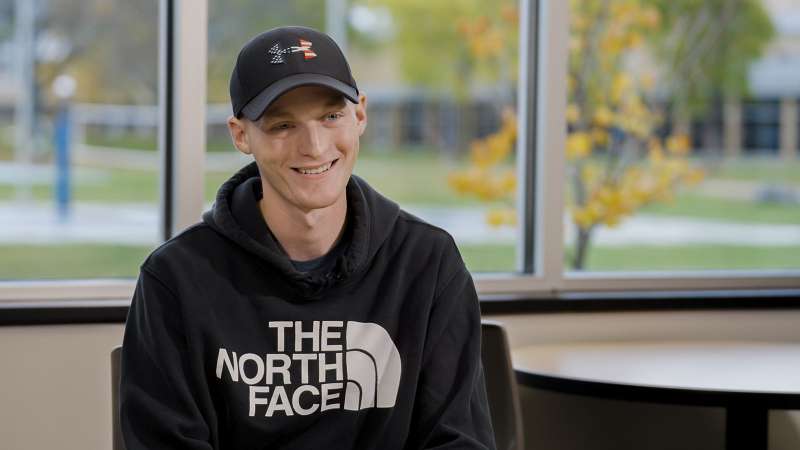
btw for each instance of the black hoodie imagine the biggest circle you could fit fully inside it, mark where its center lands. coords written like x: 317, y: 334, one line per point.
x: 229, y: 346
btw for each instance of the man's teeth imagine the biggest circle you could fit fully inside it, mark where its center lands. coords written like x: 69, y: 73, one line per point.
x: 319, y: 169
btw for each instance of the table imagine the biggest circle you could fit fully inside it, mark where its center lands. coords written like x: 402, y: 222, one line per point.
x: 747, y: 378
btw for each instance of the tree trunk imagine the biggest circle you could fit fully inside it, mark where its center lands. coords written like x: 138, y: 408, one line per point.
x: 583, y: 238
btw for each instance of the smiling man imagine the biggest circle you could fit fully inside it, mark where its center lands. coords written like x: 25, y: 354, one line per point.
x: 306, y: 310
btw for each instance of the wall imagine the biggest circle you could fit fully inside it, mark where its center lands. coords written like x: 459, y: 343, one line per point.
x: 56, y: 389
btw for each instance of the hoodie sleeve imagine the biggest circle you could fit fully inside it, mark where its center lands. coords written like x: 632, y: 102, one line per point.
x: 452, y: 409
x: 158, y: 408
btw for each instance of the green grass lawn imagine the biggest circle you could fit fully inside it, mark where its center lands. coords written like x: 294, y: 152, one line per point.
x: 409, y: 178
x: 714, y: 208
x: 420, y: 178
x: 489, y: 257
x: 113, y: 185
x: 761, y: 169
x: 149, y: 142
x: 117, y: 185
x: 412, y: 177
x: 502, y: 258
x: 101, y: 261
x: 70, y: 261
x: 691, y: 257
x: 746, y: 168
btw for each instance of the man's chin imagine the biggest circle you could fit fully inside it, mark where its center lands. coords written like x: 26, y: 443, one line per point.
x: 311, y: 204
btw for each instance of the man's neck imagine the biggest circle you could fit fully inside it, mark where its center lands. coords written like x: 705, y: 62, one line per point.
x: 304, y: 235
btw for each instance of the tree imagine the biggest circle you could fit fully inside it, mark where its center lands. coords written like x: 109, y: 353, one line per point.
x: 109, y: 46
x: 625, y: 56
x: 430, y: 39
x: 705, y: 47
x: 435, y: 52
x: 231, y: 23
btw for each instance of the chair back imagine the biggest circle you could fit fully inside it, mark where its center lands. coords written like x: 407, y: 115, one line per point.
x: 501, y: 387
x: 116, y: 433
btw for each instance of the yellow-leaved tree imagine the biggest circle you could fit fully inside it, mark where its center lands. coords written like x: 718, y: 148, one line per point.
x: 616, y: 161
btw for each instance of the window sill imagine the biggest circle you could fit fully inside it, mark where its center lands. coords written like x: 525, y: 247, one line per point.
x: 52, y: 312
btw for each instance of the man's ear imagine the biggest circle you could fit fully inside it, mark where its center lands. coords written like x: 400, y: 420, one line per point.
x: 236, y: 127
x: 361, y: 114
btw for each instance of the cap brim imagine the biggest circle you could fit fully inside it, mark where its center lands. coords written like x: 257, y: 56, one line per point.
x: 255, y: 107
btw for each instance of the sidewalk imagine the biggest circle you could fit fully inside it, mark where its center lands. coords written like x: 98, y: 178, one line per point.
x: 90, y: 223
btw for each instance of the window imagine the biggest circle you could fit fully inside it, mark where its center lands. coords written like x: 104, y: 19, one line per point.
x: 78, y: 120
x: 762, y: 124
x: 480, y: 108
x: 441, y: 80
x: 673, y: 122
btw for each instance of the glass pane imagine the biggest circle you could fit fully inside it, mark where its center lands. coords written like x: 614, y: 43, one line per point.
x: 78, y: 166
x: 440, y: 78
x: 682, y: 148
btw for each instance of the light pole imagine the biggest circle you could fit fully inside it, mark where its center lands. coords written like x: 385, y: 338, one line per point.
x: 63, y: 88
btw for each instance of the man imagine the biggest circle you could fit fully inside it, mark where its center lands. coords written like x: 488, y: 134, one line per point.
x: 305, y: 311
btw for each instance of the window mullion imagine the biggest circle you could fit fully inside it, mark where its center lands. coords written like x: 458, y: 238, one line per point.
x: 526, y: 137
x: 553, y: 50
x: 183, y: 137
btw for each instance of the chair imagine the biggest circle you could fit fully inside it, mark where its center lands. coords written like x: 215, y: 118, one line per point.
x: 501, y: 387
x: 116, y: 432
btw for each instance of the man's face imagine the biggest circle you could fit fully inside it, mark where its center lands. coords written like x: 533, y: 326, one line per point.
x: 305, y: 145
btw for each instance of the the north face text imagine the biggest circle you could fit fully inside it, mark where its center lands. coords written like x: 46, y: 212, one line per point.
x: 322, y: 353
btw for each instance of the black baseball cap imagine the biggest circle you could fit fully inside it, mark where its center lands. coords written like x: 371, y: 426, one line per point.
x: 284, y: 58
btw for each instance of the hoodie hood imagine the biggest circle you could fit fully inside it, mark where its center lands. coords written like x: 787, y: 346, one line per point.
x: 371, y: 218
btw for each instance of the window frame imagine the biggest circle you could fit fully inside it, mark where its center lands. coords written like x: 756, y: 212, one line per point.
x: 549, y: 278
x: 544, y: 34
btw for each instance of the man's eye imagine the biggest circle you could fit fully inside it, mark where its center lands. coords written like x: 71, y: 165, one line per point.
x: 281, y: 126
x: 334, y: 115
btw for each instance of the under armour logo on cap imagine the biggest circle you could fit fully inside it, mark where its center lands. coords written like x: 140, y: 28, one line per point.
x: 277, y: 52
x: 270, y: 64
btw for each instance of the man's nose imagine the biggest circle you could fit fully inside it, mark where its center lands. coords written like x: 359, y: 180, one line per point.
x: 314, y: 143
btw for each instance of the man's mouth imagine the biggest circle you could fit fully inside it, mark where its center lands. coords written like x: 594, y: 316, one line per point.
x: 315, y: 170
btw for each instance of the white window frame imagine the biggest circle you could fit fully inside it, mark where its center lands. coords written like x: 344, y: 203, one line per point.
x: 541, y: 102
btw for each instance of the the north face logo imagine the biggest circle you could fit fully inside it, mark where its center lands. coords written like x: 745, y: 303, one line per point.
x: 323, y: 351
